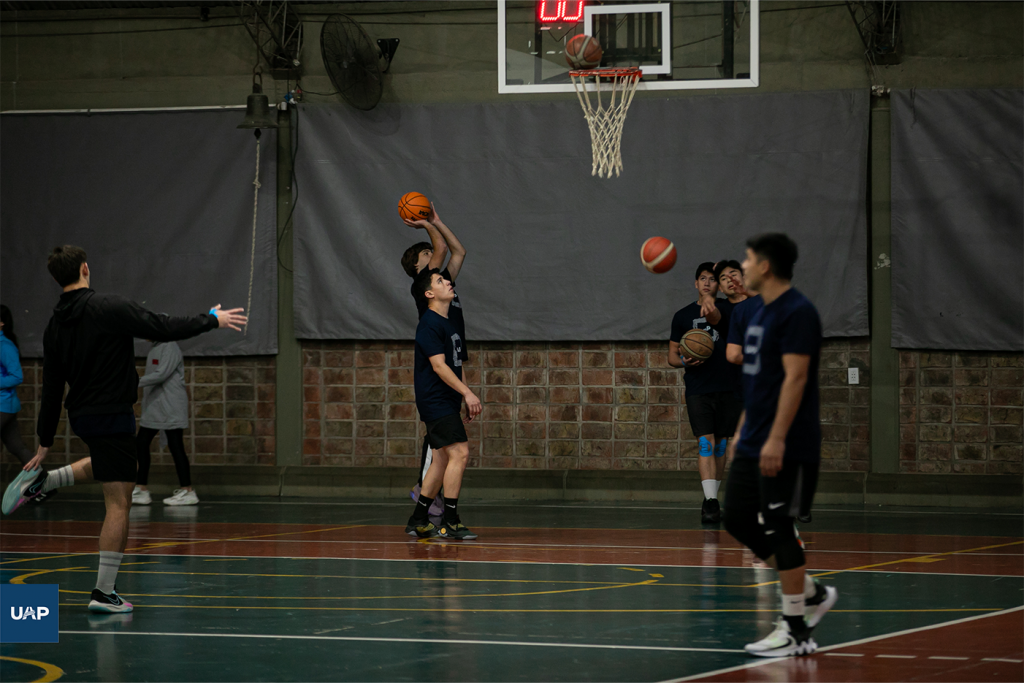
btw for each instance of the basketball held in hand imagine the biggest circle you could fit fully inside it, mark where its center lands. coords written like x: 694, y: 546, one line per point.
x: 414, y: 206
x: 697, y: 344
x: 583, y: 52
x: 658, y: 255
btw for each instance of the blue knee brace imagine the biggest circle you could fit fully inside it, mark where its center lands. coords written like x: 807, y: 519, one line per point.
x: 706, y: 448
x: 720, y: 448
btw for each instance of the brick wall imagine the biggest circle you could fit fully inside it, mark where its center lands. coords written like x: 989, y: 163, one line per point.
x: 552, y: 406
x: 231, y: 419
x: 961, y: 412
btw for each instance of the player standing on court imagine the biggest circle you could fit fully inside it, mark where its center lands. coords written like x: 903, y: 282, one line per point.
x: 437, y: 378
x: 88, y: 344
x: 777, y: 448
x: 431, y: 255
x: 711, y: 403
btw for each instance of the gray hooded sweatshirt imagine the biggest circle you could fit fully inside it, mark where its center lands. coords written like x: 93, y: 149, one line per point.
x: 164, y: 401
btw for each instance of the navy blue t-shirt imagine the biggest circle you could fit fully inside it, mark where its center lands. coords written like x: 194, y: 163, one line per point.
x: 454, y: 314
x: 713, y: 375
x: 738, y: 321
x: 790, y: 324
x: 436, y: 335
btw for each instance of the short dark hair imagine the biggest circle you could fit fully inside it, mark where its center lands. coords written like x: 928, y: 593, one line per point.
x: 65, y: 264
x: 708, y: 266
x: 422, y: 284
x: 726, y: 263
x: 778, y: 249
x: 412, y: 255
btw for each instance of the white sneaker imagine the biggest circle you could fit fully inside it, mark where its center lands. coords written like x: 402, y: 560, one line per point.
x: 817, y: 606
x: 140, y: 496
x: 182, y: 497
x: 783, y: 643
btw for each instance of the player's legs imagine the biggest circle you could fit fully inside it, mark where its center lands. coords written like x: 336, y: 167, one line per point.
x: 31, y: 484
x: 113, y: 463
x: 10, y: 434
x: 701, y: 412
x: 143, y: 442
x: 450, y: 455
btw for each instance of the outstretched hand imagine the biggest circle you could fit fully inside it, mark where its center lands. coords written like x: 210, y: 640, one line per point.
x: 419, y: 225
x: 231, y: 318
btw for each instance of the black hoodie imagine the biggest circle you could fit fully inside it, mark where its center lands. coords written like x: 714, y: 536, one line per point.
x: 89, y: 344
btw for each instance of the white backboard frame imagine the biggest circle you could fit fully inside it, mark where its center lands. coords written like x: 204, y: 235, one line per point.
x: 663, y: 8
x: 589, y: 11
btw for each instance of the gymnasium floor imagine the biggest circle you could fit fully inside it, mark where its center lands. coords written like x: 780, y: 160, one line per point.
x: 321, y: 590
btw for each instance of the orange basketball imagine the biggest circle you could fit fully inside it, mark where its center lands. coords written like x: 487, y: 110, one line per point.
x: 583, y: 52
x: 658, y: 255
x: 697, y: 344
x: 414, y: 206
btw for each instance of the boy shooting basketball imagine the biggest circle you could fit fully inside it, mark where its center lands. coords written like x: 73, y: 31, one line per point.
x: 437, y: 377
x: 431, y: 255
x: 777, y: 446
x: 711, y: 402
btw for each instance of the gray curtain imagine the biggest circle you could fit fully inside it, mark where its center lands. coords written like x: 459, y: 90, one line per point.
x: 958, y: 219
x: 162, y: 202
x: 553, y: 253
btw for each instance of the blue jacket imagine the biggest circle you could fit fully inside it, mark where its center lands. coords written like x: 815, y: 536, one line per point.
x: 10, y: 375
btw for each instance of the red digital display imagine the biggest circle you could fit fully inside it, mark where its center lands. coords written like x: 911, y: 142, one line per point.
x: 560, y: 11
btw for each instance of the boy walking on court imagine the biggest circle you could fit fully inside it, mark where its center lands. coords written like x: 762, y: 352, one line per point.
x: 711, y: 403
x: 88, y: 344
x: 437, y: 378
x: 777, y: 447
x: 431, y: 255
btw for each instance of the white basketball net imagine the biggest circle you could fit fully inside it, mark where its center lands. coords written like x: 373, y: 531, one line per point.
x: 606, y: 122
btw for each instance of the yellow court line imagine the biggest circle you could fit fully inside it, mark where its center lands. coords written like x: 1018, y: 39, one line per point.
x: 125, y: 564
x: 21, y: 579
x: 48, y: 557
x: 376, y: 597
x: 154, y: 546
x: 923, y: 558
x: 617, y: 611
x: 50, y: 672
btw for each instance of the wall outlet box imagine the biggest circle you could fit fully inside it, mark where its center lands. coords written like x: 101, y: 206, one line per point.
x: 854, y: 375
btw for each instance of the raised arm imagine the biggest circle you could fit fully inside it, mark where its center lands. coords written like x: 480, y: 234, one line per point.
x: 454, y: 245
x: 120, y: 315
x: 709, y: 310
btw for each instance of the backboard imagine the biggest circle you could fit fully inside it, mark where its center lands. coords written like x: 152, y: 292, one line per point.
x: 677, y: 45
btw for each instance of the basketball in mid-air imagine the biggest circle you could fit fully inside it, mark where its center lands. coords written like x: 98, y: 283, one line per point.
x: 697, y: 344
x: 583, y: 52
x: 414, y: 206
x: 658, y: 255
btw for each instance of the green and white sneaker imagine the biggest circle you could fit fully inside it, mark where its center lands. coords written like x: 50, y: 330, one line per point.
x: 783, y: 643
x: 26, y: 486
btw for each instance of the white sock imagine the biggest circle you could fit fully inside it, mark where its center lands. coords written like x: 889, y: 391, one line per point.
x: 62, y: 476
x: 110, y: 562
x: 793, y: 605
x: 710, y: 488
x: 718, y: 485
x: 810, y: 588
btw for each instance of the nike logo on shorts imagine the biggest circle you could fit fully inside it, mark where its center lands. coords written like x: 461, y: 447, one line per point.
x: 775, y: 506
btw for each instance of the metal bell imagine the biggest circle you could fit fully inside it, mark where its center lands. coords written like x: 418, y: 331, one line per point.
x: 257, y: 110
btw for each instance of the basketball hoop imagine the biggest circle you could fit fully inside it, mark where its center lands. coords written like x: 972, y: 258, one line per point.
x: 606, y: 122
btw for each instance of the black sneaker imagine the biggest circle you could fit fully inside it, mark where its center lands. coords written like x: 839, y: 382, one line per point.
x: 425, y: 529
x: 110, y: 603
x: 805, y: 519
x: 43, y: 497
x: 710, y: 511
x: 817, y: 606
x: 457, y: 531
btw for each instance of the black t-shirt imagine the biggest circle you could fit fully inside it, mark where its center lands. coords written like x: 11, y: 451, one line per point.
x: 713, y: 375
x: 454, y: 314
x: 790, y: 324
x: 739, y: 318
x: 435, y: 335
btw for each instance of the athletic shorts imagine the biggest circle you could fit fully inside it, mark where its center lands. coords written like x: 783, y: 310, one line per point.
x: 715, y: 413
x: 446, y: 431
x: 113, y: 457
x: 787, y: 494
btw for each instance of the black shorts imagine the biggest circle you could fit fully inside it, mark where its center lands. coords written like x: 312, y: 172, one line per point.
x: 113, y: 457
x: 787, y: 494
x: 715, y: 414
x: 446, y: 431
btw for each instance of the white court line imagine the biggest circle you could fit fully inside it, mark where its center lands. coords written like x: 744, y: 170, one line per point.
x: 504, y: 544
x: 503, y: 503
x: 999, y: 659
x: 527, y: 562
x: 897, y: 656
x: 842, y: 654
x: 754, y: 665
x: 435, y: 641
x: 957, y: 659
